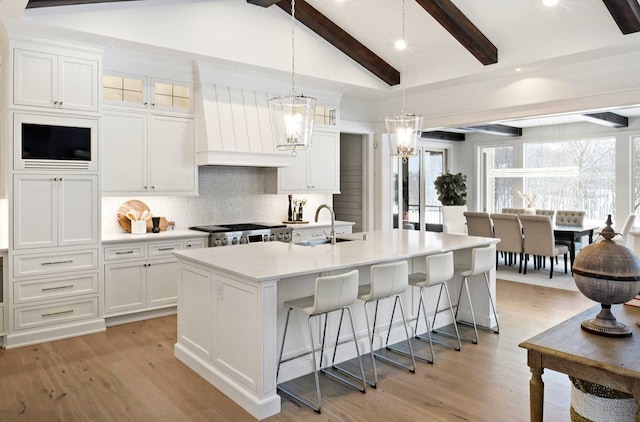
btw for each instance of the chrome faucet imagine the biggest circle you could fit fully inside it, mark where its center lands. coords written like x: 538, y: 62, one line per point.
x: 332, y: 235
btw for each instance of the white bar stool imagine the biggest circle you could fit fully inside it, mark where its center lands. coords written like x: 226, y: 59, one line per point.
x: 332, y: 293
x: 482, y: 261
x: 439, y: 270
x: 387, y: 280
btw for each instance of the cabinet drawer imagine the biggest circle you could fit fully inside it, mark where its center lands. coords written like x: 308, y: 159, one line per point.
x: 29, y: 291
x: 317, y: 234
x: 164, y: 248
x: 343, y: 230
x: 195, y: 243
x: 32, y: 265
x: 134, y: 250
x: 31, y: 317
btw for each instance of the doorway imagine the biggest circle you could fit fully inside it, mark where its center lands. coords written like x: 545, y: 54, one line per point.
x: 352, y: 204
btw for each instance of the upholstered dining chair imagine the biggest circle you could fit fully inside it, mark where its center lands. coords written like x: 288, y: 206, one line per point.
x: 540, y: 242
x: 516, y: 211
x: 550, y: 213
x: 625, y: 240
x: 508, y: 229
x: 479, y: 224
x: 570, y: 218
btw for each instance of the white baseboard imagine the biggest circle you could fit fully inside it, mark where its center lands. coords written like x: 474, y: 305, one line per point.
x: 29, y: 337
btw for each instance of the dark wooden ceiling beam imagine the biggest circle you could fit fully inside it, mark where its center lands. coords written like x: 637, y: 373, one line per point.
x: 442, y: 135
x: 458, y: 25
x: 496, y: 129
x: 607, y: 119
x: 340, y: 39
x: 626, y: 13
x: 52, y: 3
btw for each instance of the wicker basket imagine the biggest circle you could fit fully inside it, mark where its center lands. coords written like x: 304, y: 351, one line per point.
x: 596, y: 403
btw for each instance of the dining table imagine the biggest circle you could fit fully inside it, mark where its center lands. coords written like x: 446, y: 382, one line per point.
x: 572, y: 234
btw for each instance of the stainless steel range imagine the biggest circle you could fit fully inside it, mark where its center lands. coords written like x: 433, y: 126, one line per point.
x: 239, y: 234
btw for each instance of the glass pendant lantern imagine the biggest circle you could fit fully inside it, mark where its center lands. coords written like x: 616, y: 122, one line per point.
x: 292, y: 116
x: 404, y: 129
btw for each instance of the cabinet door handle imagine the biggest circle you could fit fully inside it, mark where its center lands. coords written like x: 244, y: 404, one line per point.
x: 60, y: 103
x: 68, y: 261
x: 153, y: 187
x: 166, y: 249
x: 55, y: 103
x: 146, y: 103
x: 153, y: 104
x: 47, y: 289
x: 146, y: 187
x: 68, y: 311
x: 123, y: 252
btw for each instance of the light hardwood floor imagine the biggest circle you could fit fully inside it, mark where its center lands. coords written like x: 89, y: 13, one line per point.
x: 129, y: 374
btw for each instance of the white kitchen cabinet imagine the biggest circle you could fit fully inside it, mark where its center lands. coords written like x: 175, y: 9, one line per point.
x: 54, y: 210
x: 148, y: 154
x: 135, y: 285
x: 316, y: 170
x: 47, y: 79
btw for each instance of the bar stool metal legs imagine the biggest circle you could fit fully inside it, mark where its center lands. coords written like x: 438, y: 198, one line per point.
x: 387, y: 281
x: 439, y: 270
x: 481, y: 263
x: 333, y: 293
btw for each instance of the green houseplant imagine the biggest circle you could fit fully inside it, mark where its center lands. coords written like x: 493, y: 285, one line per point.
x: 451, y: 188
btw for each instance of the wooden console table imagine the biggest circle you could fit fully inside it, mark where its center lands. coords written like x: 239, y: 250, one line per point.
x: 566, y: 348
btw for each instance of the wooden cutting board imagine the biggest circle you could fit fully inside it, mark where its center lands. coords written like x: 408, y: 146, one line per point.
x: 138, y: 207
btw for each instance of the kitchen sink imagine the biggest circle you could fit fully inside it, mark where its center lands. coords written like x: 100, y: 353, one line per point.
x: 321, y: 242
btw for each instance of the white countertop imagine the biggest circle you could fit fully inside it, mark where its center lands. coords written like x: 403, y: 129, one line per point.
x: 275, y: 260
x: 164, y: 235
x: 314, y: 225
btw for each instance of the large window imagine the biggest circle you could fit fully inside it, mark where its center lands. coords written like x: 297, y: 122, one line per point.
x: 563, y: 175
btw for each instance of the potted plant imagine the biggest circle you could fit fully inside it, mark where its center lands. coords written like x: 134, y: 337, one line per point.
x: 451, y: 188
x: 452, y: 193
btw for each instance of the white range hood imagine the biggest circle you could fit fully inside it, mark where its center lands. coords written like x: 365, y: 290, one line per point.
x: 235, y: 128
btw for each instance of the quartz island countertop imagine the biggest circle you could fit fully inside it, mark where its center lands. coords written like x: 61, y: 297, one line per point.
x: 275, y: 260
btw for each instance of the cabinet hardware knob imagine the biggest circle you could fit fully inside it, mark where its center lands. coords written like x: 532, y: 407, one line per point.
x: 153, y: 104
x: 153, y: 187
x: 55, y: 103
x: 146, y: 103
x: 146, y: 187
x: 60, y: 103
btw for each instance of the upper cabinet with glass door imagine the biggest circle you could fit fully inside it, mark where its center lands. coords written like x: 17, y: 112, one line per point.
x: 120, y: 89
x: 326, y: 117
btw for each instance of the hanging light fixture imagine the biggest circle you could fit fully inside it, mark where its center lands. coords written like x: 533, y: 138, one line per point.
x: 292, y: 116
x: 404, y: 129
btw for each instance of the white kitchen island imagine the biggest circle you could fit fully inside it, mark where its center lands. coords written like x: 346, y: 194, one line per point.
x: 231, y: 317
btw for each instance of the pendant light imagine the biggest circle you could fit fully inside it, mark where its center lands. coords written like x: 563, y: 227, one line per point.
x: 292, y: 116
x: 404, y: 129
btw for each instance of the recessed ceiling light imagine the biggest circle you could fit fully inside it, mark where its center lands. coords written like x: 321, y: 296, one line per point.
x: 401, y: 44
x: 550, y: 3
x: 518, y: 69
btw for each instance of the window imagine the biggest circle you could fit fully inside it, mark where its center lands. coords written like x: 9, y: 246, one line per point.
x: 569, y: 174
